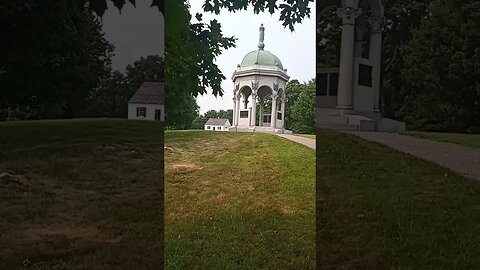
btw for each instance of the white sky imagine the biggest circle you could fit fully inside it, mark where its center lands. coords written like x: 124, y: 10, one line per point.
x: 295, y: 49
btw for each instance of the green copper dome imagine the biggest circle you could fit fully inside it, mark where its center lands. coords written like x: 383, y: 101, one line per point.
x: 261, y: 57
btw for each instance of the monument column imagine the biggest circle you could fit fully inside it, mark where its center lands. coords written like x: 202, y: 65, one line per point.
x: 254, y: 109
x: 234, y: 109
x: 260, y: 117
x: 237, y: 115
x: 346, y: 69
x: 274, y: 110
x: 282, y: 109
x: 376, y: 24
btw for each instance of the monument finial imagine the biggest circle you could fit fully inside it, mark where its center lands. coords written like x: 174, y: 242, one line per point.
x: 261, y: 45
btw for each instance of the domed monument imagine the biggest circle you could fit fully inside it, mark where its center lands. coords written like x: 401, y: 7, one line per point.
x: 259, y: 80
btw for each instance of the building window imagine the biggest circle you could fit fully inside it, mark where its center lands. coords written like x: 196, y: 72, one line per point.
x: 208, y: 127
x: 158, y: 113
x: 243, y: 114
x: 279, y: 116
x: 333, y: 84
x: 365, y: 75
x: 267, y: 118
x: 141, y: 111
x: 322, y: 82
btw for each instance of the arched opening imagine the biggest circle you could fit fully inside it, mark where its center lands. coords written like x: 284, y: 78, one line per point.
x: 246, y: 93
x: 264, y: 106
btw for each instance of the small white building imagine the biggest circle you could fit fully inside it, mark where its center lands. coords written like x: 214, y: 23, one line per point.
x: 217, y: 124
x: 148, y: 102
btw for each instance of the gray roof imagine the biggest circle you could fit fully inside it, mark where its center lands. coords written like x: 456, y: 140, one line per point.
x: 216, y: 121
x: 149, y: 93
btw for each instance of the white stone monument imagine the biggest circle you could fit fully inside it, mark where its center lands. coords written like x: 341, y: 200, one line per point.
x: 348, y: 96
x: 260, y: 78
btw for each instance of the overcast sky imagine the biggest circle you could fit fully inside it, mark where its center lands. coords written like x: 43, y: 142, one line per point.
x: 295, y: 49
x: 135, y: 32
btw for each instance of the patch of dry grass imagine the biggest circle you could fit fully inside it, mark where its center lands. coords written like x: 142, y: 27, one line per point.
x: 92, y: 198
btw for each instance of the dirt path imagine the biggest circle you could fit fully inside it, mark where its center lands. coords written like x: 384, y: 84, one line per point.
x: 460, y: 159
x: 310, y: 143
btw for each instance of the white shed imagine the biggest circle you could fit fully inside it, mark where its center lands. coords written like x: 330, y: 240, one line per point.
x: 217, y: 124
x: 148, y: 102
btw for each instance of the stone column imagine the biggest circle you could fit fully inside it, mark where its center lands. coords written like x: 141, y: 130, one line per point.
x: 346, y: 70
x: 260, y: 117
x: 274, y: 110
x: 254, y: 109
x: 282, y: 109
x: 376, y: 24
x: 237, y: 115
x: 234, y: 111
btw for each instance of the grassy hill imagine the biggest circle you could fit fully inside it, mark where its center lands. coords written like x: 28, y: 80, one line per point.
x: 238, y: 201
x: 91, y: 195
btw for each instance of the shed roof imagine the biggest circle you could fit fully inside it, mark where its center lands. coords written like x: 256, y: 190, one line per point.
x: 149, y: 93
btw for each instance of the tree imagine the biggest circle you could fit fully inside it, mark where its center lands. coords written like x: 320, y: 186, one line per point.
x: 303, y: 110
x: 442, y: 70
x: 293, y: 89
x: 110, y: 98
x: 51, y: 55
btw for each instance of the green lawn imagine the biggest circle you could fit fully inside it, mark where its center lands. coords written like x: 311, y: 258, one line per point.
x: 381, y: 209
x: 469, y: 140
x: 92, y: 195
x: 238, y: 201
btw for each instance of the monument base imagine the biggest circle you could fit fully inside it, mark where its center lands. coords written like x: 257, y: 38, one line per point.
x: 259, y: 129
x: 329, y: 118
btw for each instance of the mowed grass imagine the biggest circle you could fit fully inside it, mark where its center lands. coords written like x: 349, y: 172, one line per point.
x: 381, y: 209
x: 92, y: 195
x: 469, y: 140
x: 238, y: 201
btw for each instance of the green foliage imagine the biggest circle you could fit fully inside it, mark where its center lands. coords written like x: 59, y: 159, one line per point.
x: 191, y: 50
x: 110, y: 98
x: 442, y: 70
x: 303, y: 110
x: 329, y: 33
x: 291, y: 12
x: 99, y: 6
x: 51, y: 55
x: 292, y: 91
x: 403, y: 17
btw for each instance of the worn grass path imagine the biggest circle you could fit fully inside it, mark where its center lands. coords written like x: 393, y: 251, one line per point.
x: 238, y: 201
